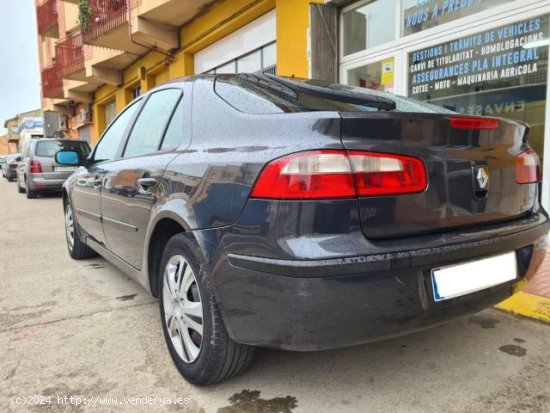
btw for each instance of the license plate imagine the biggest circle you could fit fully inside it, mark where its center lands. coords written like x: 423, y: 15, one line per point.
x: 461, y: 279
x: 64, y: 168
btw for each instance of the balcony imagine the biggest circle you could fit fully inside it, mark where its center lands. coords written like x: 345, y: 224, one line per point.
x: 52, y: 83
x: 78, y: 91
x: 106, y: 65
x: 70, y: 56
x: 107, y: 26
x: 47, y: 19
x: 172, y: 13
x: 89, y: 66
x: 152, y: 23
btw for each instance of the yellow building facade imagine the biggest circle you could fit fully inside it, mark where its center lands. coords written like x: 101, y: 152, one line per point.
x: 217, y: 22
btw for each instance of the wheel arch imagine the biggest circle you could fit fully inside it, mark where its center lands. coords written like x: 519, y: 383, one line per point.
x: 164, y: 229
x: 65, y: 196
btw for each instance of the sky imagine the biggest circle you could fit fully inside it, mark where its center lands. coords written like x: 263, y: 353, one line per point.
x: 19, y: 69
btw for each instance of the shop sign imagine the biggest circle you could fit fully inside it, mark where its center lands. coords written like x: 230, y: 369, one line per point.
x: 424, y: 14
x: 508, y: 56
x: 29, y: 124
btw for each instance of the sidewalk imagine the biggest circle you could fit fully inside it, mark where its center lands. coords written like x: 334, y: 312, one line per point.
x: 534, y: 299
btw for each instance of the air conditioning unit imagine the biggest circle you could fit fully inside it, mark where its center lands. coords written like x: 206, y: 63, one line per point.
x: 85, y: 116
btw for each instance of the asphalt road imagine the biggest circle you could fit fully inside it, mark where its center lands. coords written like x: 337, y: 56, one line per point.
x: 83, y: 329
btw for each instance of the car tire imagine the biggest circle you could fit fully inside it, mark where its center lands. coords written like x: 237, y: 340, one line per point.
x: 77, y: 249
x: 19, y: 189
x: 30, y: 193
x: 215, y: 356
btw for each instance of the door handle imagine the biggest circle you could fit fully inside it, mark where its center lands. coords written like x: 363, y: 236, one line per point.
x: 144, y: 185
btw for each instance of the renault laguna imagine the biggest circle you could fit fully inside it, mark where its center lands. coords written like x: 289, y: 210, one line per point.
x: 304, y: 215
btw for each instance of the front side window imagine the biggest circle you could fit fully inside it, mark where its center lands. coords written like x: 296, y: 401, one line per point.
x: 368, y: 25
x: 107, y: 148
x: 149, y: 128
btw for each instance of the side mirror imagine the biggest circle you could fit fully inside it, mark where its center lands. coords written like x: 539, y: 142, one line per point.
x: 68, y: 158
x: 18, y: 159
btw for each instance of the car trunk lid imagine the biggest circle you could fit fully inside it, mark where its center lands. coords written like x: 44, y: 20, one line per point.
x: 471, y: 171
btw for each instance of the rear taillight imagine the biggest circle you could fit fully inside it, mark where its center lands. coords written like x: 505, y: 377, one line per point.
x: 35, y: 167
x: 528, y: 170
x: 306, y: 175
x: 330, y: 174
x: 387, y: 174
x: 474, y: 123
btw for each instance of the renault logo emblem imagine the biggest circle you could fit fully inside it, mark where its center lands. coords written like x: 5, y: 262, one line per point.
x: 481, y: 174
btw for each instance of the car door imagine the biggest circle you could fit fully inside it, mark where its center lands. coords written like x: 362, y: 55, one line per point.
x: 86, y: 193
x: 131, y: 183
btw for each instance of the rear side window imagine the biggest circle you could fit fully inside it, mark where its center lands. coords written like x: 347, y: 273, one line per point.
x: 48, y: 149
x: 257, y: 94
x: 149, y: 128
x: 174, y: 133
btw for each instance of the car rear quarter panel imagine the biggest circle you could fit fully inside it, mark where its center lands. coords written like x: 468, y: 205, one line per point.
x: 208, y: 184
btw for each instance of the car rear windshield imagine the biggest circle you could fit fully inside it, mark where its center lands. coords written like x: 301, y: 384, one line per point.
x: 259, y: 94
x: 48, y: 149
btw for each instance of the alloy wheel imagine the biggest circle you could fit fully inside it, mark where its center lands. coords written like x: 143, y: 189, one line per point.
x: 183, y: 308
x: 69, y: 226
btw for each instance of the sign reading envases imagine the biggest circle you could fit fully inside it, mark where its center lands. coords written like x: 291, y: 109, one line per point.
x: 511, y: 55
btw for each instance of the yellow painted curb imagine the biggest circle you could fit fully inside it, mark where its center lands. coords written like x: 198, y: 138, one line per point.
x: 527, y: 305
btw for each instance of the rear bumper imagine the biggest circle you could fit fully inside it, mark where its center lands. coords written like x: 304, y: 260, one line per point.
x: 329, y: 303
x: 37, y: 183
x: 11, y: 173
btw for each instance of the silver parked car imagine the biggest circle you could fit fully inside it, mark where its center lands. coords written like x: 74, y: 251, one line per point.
x: 38, y: 171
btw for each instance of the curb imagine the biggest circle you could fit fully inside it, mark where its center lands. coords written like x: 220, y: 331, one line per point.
x: 527, y: 305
